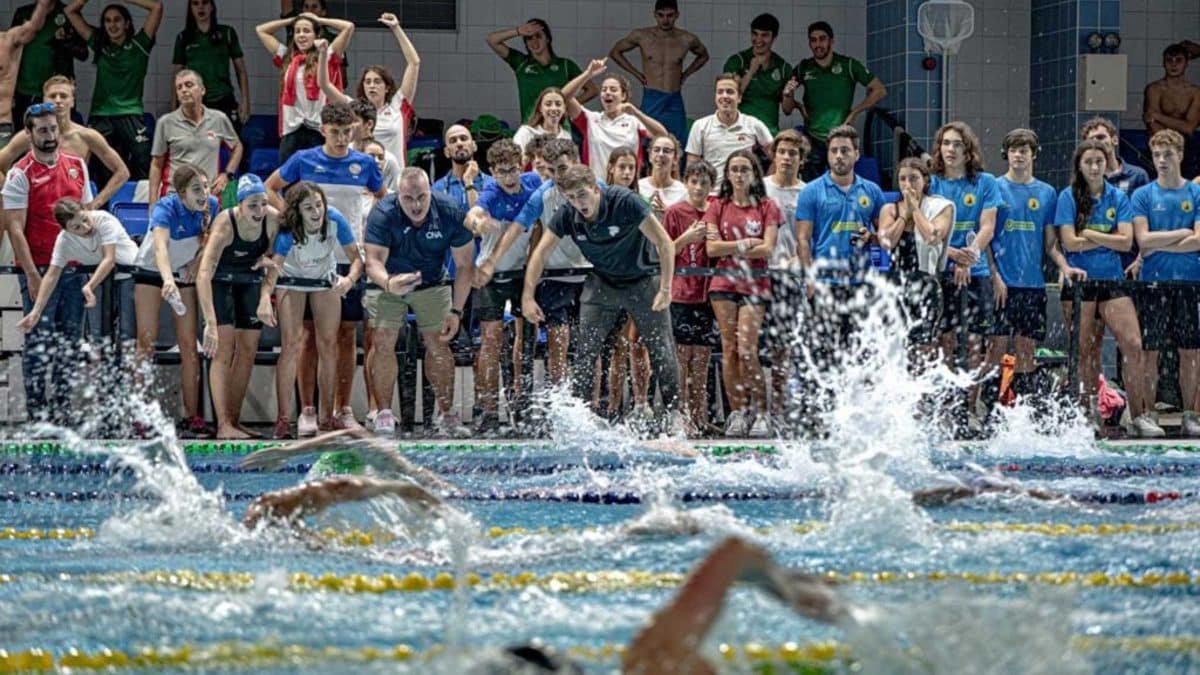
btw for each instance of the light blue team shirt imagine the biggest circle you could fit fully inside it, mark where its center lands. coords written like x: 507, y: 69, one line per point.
x: 316, y: 258
x: 836, y: 215
x: 1167, y: 210
x: 970, y: 198
x: 1112, y: 208
x: 1019, y: 243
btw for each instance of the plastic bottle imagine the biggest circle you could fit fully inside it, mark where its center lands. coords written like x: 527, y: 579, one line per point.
x: 176, y: 303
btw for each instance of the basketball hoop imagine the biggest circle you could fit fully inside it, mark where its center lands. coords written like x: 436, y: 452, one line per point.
x: 945, y: 25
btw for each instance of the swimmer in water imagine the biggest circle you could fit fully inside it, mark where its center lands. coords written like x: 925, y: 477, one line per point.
x: 980, y: 485
x: 290, y: 506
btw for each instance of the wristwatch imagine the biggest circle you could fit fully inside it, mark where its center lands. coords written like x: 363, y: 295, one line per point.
x: 456, y: 312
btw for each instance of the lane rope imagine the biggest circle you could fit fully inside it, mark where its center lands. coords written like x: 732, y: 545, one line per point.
x: 585, y: 581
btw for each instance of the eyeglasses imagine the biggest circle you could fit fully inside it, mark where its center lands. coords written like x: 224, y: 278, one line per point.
x: 41, y: 109
x: 663, y: 151
x: 506, y: 172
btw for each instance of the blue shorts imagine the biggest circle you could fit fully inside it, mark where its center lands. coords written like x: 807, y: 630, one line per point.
x: 667, y: 108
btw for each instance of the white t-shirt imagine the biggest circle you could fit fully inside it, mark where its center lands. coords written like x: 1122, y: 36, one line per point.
x: 670, y: 195
x: 603, y: 135
x: 932, y: 259
x: 715, y: 142
x: 785, y: 199
x: 390, y: 127
x: 527, y: 133
x: 567, y: 254
x: 71, y: 248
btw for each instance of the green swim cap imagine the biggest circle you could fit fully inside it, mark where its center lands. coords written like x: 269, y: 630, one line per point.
x: 344, y: 462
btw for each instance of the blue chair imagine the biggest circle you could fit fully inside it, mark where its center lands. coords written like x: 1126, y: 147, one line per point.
x: 264, y: 161
x: 261, y: 131
x: 868, y: 167
x: 92, y: 185
x: 125, y: 194
x: 135, y: 216
x: 891, y: 197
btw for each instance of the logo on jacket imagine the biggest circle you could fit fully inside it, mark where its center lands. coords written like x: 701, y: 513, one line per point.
x: 1034, y: 204
x: 969, y: 199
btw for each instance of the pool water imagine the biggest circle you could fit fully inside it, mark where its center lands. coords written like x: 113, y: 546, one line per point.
x: 121, y: 568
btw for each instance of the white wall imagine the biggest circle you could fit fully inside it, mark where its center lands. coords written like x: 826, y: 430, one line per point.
x: 461, y: 77
x: 989, y: 77
x: 1146, y: 29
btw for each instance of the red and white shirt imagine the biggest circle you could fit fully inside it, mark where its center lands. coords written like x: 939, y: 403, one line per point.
x: 301, y: 98
x: 35, y: 187
x: 742, y: 222
x: 603, y: 134
x: 391, y: 127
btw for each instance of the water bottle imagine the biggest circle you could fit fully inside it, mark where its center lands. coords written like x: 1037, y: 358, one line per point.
x: 176, y: 303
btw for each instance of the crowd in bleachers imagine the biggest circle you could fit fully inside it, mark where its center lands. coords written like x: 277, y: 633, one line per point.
x: 630, y: 241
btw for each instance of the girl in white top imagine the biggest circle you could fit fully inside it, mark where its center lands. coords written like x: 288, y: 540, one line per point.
x: 662, y: 188
x: 546, y: 119
x: 618, y: 125
x: 310, y: 234
x: 915, y: 230
x: 393, y: 105
x: 301, y: 99
x: 88, y: 238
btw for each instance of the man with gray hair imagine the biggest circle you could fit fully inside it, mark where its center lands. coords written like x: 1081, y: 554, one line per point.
x: 192, y: 134
x: 407, y: 236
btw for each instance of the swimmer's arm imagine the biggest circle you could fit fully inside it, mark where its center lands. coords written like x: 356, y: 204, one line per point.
x: 677, y: 629
x: 942, y: 496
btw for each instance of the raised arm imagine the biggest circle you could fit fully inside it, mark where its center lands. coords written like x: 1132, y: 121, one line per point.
x: 412, y: 60
x: 266, y: 33
x: 24, y: 34
x: 497, y: 38
x: 74, y: 14
x: 345, y: 30
x: 332, y: 93
x: 656, y: 128
x: 571, y: 89
x: 627, y: 44
x: 153, y: 18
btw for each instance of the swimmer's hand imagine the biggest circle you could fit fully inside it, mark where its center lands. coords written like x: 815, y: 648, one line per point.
x: 267, y: 459
x: 807, y: 594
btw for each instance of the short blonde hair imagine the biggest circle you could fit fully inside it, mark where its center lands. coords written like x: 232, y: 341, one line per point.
x: 1169, y: 138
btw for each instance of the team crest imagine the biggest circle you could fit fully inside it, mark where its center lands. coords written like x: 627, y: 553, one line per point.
x: 754, y: 227
x: 969, y: 199
x: 1111, y: 213
x: 776, y: 75
x: 73, y: 173
x: 355, y: 169
x: 864, y: 201
x: 1034, y: 204
x: 837, y: 69
x: 1186, y: 205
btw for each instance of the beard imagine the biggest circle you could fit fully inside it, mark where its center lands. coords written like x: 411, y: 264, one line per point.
x: 461, y: 157
x: 47, y: 146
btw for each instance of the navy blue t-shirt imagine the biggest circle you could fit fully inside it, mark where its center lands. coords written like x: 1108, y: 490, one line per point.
x: 420, y: 248
x: 614, y: 242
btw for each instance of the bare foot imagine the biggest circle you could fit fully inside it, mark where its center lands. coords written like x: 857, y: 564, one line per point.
x: 232, y: 433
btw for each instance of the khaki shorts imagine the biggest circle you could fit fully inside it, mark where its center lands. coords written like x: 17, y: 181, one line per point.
x: 430, y: 305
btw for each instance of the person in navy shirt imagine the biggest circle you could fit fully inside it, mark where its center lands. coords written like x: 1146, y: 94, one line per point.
x: 408, y: 234
x: 1166, y: 224
x: 1024, y: 234
x: 1095, y: 223
x: 166, y: 265
x: 832, y: 213
x: 504, y: 247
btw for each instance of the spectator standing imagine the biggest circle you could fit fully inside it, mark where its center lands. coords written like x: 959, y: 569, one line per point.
x: 761, y: 74
x: 210, y: 49
x: 538, y: 68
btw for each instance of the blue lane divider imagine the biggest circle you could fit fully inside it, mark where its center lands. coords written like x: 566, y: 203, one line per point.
x: 589, y: 497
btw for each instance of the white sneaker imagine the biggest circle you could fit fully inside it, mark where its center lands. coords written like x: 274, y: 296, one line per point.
x: 369, y: 421
x: 384, y: 423
x: 1191, y: 424
x: 306, y: 424
x: 761, y: 427
x: 735, y: 424
x: 1144, y: 427
x: 450, y: 424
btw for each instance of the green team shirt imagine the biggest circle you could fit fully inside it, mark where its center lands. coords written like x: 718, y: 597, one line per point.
x: 829, y: 92
x: 533, y: 77
x: 52, y: 52
x: 762, y: 95
x: 211, y: 55
x: 121, y: 75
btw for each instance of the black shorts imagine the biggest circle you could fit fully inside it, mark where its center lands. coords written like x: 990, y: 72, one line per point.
x: 921, y: 303
x: 143, y: 277
x: 1093, y: 294
x: 352, y: 304
x: 557, y: 300
x: 1170, y: 318
x: 693, y: 324
x: 978, y: 311
x: 491, y: 299
x: 737, y: 298
x: 236, y: 304
x: 1023, y: 314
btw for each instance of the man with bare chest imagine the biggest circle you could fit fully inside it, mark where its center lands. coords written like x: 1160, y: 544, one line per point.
x: 1174, y: 103
x: 74, y: 139
x: 664, y: 49
x: 12, y: 45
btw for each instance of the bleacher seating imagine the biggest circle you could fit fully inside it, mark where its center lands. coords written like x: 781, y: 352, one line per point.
x: 125, y: 194
x: 135, y: 216
x: 264, y: 161
x: 868, y: 167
